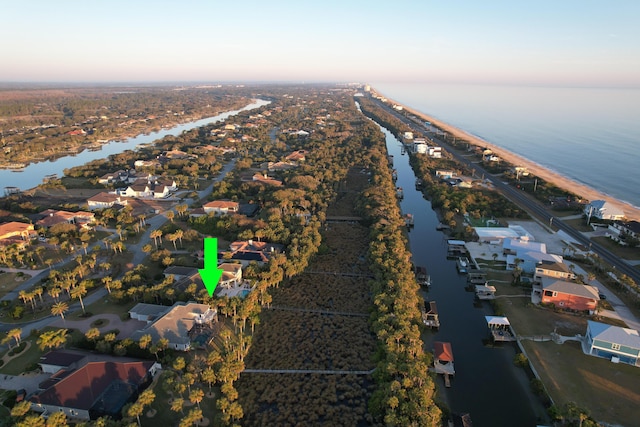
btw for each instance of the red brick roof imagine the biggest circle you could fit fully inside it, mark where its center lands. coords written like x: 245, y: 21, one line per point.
x: 82, y: 388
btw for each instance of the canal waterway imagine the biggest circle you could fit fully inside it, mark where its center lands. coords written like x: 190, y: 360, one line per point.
x: 486, y: 384
x: 32, y: 175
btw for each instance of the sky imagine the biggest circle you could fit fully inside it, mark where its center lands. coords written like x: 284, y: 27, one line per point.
x: 546, y: 42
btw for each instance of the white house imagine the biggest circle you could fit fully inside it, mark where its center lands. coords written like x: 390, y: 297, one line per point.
x: 231, y: 274
x: 602, y: 209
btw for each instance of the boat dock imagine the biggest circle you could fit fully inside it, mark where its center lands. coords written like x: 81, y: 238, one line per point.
x: 500, y: 329
x: 422, y: 277
x: 430, y: 315
x: 443, y: 360
x: 408, y: 220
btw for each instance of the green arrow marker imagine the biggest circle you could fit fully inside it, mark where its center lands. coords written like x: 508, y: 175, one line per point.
x: 211, y: 274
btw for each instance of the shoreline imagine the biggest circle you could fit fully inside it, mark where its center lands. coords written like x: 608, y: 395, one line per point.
x: 631, y: 212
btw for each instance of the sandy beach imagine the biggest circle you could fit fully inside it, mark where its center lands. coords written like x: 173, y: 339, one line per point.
x: 586, y: 192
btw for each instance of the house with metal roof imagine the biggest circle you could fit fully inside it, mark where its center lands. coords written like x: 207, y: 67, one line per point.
x: 566, y: 295
x: 601, y: 209
x: 620, y: 345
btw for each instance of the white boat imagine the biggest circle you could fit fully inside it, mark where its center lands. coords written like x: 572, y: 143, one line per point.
x: 462, y: 264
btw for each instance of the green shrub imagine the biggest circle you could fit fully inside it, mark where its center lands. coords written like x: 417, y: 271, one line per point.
x: 521, y: 360
x: 17, y: 312
x: 537, y: 387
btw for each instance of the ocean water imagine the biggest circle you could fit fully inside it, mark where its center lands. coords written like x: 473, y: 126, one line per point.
x: 589, y: 135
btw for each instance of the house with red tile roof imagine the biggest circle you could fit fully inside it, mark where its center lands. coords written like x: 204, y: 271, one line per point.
x: 16, y: 233
x: 221, y: 207
x: 264, y: 179
x: 51, y: 217
x: 106, y: 200
x: 297, y: 156
x: 94, y: 389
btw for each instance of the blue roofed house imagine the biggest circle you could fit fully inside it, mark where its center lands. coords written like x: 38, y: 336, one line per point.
x: 613, y: 342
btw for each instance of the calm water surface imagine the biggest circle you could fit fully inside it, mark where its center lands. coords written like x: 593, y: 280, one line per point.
x: 589, y: 135
x: 32, y: 175
x: 486, y: 384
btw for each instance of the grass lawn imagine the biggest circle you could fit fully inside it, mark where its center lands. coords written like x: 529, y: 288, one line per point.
x: 102, y: 306
x: 17, y: 365
x: 579, y: 224
x: 9, y: 281
x: 622, y: 251
x: 611, y: 392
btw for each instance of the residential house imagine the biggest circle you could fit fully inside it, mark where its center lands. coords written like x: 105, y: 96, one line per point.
x: 147, y: 312
x: 612, y: 342
x: 231, y: 274
x: 434, y: 152
x: 106, y: 200
x: 621, y: 231
x: 151, y: 187
x: 264, y: 179
x: 247, y: 257
x: 222, y: 207
x: 51, y: 217
x: 252, y: 245
x: 420, y: 146
x: 95, y: 388
x: 445, y: 174
x: 566, y: 295
x: 604, y: 210
x: 498, y: 234
x: 14, y: 232
x: 553, y: 269
x: 58, y: 360
x: 297, y: 156
x: 117, y: 177
x: 278, y: 166
x: 179, y: 272
x: 179, y: 324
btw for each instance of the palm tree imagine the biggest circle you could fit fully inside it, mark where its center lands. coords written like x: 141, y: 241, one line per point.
x: 144, y: 341
x: 54, y: 292
x: 79, y: 292
x: 147, y: 397
x: 177, y: 404
x: 107, y: 280
x: 179, y: 234
x: 15, y: 334
x: 92, y: 334
x: 156, y: 234
x: 173, y: 237
x: 59, y: 308
x: 52, y: 339
x: 135, y: 410
x: 209, y: 376
x: 196, y: 395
